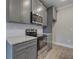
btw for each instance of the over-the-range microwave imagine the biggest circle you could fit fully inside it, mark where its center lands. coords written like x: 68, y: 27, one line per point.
x: 36, y: 19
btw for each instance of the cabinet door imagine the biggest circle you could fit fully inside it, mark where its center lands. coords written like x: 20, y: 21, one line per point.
x: 34, y: 6
x: 26, y: 11
x: 54, y: 13
x: 49, y: 41
x: 31, y: 52
x: 41, y: 10
x: 15, y: 10
x: 44, y: 14
x: 27, y: 53
x: 19, y: 11
x: 20, y: 54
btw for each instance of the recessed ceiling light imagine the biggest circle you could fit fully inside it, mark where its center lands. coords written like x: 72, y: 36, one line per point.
x: 63, y: 0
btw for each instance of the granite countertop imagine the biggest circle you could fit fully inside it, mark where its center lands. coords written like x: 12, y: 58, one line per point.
x: 46, y: 33
x: 38, y: 35
x: 19, y: 39
x: 15, y: 39
x: 43, y: 34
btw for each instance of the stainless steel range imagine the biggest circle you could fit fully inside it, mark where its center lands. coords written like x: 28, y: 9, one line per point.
x: 41, y: 40
x: 31, y: 32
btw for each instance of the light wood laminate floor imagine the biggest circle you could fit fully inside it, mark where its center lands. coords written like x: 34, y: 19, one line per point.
x: 57, y: 52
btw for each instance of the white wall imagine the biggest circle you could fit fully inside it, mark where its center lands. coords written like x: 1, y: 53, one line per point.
x: 63, y: 29
x: 14, y: 29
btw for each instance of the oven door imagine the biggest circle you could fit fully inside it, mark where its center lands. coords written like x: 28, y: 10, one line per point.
x: 41, y: 42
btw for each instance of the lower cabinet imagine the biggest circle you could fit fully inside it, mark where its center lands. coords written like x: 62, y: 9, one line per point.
x: 26, y: 50
x: 27, y: 53
x: 49, y: 41
x: 20, y: 55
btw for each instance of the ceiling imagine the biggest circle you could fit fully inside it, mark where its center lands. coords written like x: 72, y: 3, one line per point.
x: 56, y: 3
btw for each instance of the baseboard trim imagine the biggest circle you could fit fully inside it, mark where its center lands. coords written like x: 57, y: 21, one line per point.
x: 68, y: 46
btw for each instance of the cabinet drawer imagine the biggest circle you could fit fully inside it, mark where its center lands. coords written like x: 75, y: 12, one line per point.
x: 27, y: 53
x: 24, y: 45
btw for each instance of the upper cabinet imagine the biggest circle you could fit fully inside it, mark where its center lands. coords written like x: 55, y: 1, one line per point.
x: 51, y: 14
x: 54, y: 14
x: 34, y: 6
x: 26, y: 11
x: 18, y: 11
x: 39, y: 9
x: 42, y: 11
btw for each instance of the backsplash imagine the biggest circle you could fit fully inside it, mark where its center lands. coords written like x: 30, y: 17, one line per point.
x: 14, y: 29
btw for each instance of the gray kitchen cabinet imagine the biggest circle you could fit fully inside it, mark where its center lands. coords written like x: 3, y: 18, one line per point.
x: 18, y: 11
x: 34, y: 6
x: 21, y: 54
x: 44, y: 17
x: 26, y: 11
x: 54, y: 13
x: 25, y: 50
x: 42, y: 11
x: 27, y: 53
x: 48, y: 28
x: 49, y: 41
x: 39, y: 9
x: 32, y: 52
